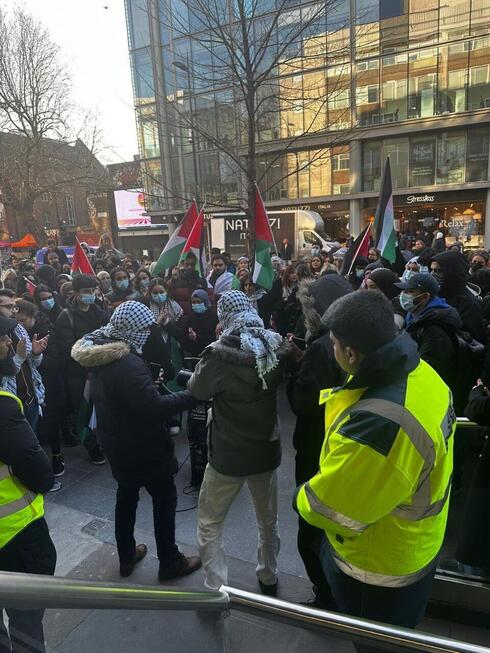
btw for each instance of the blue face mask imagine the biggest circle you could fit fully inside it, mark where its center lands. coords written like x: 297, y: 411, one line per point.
x: 87, y: 299
x: 122, y: 284
x: 199, y: 308
x: 144, y: 284
x: 47, y: 304
x: 161, y: 298
x: 359, y: 272
x: 423, y: 269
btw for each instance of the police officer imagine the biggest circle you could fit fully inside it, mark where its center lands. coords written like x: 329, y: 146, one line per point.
x: 25, y: 475
x: 382, y: 491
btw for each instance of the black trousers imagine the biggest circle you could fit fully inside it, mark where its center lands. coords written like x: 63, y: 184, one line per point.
x: 400, y: 606
x: 164, y: 498
x: 32, y: 552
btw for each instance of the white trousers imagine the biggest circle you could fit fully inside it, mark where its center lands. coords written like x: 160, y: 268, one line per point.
x: 217, y: 494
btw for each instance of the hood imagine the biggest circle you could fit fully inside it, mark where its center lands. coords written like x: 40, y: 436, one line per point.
x: 316, y: 296
x: 455, y: 268
x: 227, y: 348
x: 437, y: 311
x: 385, y: 280
x: 387, y: 364
x: 47, y: 274
x: 96, y: 354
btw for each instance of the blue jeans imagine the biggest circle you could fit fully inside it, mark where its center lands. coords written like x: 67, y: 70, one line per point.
x: 31, y: 413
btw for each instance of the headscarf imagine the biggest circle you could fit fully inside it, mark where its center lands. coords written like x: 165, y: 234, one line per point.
x: 238, y: 317
x: 203, y: 295
x: 129, y: 323
x: 385, y: 280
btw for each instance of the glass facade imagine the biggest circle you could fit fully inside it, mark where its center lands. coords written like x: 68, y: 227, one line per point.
x: 390, y: 62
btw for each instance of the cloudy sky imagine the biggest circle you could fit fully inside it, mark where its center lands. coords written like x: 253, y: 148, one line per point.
x: 93, y: 40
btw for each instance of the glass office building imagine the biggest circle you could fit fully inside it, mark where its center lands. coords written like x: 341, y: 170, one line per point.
x: 366, y: 79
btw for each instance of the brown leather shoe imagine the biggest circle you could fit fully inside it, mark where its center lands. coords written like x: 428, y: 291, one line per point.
x: 127, y: 568
x: 181, y: 566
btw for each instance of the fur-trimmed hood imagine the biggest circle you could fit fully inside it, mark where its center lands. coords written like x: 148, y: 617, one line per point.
x: 89, y: 354
x: 316, y: 296
x: 227, y: 348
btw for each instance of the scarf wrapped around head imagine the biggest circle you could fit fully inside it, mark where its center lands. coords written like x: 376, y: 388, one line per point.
x: 238, y: 317
x: 129, y: 322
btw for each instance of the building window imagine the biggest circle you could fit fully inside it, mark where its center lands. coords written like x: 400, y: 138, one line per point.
x: 45, y: 197
x: 422, y: 160
x: 477, y: 154
x: 397, y: 150
x: 341, y: 161
x: 371, y: 165
x: 139, y: 30
x: 450, y: 157
x: 144, y: 87
x: 46, y: 220
x: 71, y: 220
x: 479, y: 74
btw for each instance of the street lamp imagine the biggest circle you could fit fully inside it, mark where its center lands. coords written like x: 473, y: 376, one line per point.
x: 186, y: 69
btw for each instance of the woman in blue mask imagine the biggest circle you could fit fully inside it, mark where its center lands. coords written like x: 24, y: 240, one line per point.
x: 141, y: 283
x: 198, y: 330
x: 121, y: 284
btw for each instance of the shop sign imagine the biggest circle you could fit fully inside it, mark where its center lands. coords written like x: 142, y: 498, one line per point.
x: 417, y: 199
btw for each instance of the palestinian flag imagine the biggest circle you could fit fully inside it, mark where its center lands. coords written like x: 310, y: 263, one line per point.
x: 30, y: 287
x: 172, y: 251
x: 262, y: 274
x: 80, y: 262
x: 360, y: 247
x: 195, y: 244
x: 384, y: 221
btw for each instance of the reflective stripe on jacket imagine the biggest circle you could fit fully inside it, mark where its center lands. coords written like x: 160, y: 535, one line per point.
x: 18, y: 505
x: 382, y: 491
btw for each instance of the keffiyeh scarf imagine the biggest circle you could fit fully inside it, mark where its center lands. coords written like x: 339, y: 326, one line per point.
x: 129, y: 323
x: 238, y: 317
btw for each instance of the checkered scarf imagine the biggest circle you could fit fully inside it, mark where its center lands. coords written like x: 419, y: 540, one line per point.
x: 238, y: 317
x: 129, y: 322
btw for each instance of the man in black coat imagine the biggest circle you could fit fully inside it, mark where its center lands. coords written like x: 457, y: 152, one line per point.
x: 451, y: 270
x: 286, y: 251
x: 82, y: 315
x: 25, y: 543
x: 315, y: 369
x: 131, y: 417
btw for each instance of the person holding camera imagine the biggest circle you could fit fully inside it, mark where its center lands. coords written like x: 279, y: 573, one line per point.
x: 241, y: 373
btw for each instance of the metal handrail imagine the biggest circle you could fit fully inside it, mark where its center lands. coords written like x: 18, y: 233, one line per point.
x: 344, y: 626
x: 33, y: 591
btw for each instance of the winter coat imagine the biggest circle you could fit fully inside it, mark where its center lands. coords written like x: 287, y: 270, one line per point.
x: 432, y: 330
x: 157, y: 354
x: 131, y: 414
x: 20, y: 449
x: 243, y: 438
x: 317, y: 370
x: 9, y: 383
x: 62, y: 257
x: 454, y: 289
x: 203, y: 324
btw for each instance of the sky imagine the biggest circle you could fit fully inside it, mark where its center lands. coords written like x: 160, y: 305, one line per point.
x: 94, y: 44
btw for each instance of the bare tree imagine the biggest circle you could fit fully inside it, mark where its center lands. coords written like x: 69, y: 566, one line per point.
x: 40, y: 152
x: 269, y: 73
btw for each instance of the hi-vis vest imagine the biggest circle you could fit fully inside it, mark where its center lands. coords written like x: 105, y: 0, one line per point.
x: 18, y: 505
x: 382, y: 492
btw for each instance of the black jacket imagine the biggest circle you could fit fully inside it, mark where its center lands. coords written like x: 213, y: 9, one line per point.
x: 20, y: 449
x: 62, y: 257
x: 454, y: 289
x: 434, y: 331
x: 72, y: 324
x: 157, y: 354
x: 317, y: 370
x: 131, y: 414
x: 203, y: 324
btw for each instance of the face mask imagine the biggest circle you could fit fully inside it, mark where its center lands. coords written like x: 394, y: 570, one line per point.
x: 438, y: 276
x: 475, y: 266
x: 423, y: 269
x: 199, y: 308
x: 408, y: 274
x: 408, y: 302
x: 87, y: 299
x: 47, y: 304
x: 144, y: 284
x: 359, y: 272
x: 122, y: 284
x: 161, y: 298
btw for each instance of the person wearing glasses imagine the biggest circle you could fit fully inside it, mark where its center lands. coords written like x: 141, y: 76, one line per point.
x: 26, y: 383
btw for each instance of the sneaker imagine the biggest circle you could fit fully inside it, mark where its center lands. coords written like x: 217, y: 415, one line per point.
x: 268, y: 590
x: 174, y: 430
x: 96, y: 456
x: 58, y: 465
x: 127, y: 568
x: 181, y: 566
x: 56, y: 486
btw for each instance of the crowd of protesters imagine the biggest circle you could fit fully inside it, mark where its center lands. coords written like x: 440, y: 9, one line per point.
x: 93, y: 360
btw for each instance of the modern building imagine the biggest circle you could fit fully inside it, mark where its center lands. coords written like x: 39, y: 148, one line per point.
x: 369, y: 78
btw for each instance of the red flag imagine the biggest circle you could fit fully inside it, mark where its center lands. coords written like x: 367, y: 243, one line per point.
x: 195, y: 244
x: 30, y: 287
x: 262, y: 274
x: 80, y: 262
x: 360, y: 247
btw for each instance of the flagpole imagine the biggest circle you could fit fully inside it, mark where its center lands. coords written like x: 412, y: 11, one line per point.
x: 272, y: 233
x: 357, y: 251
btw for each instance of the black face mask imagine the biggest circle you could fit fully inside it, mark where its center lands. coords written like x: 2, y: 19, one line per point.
x: 476, y: 266
x: 7, y: 366
x: 438, y: 276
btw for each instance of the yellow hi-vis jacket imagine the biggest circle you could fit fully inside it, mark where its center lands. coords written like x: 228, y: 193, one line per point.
x: 382, y: 491
x: 18, y: 505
